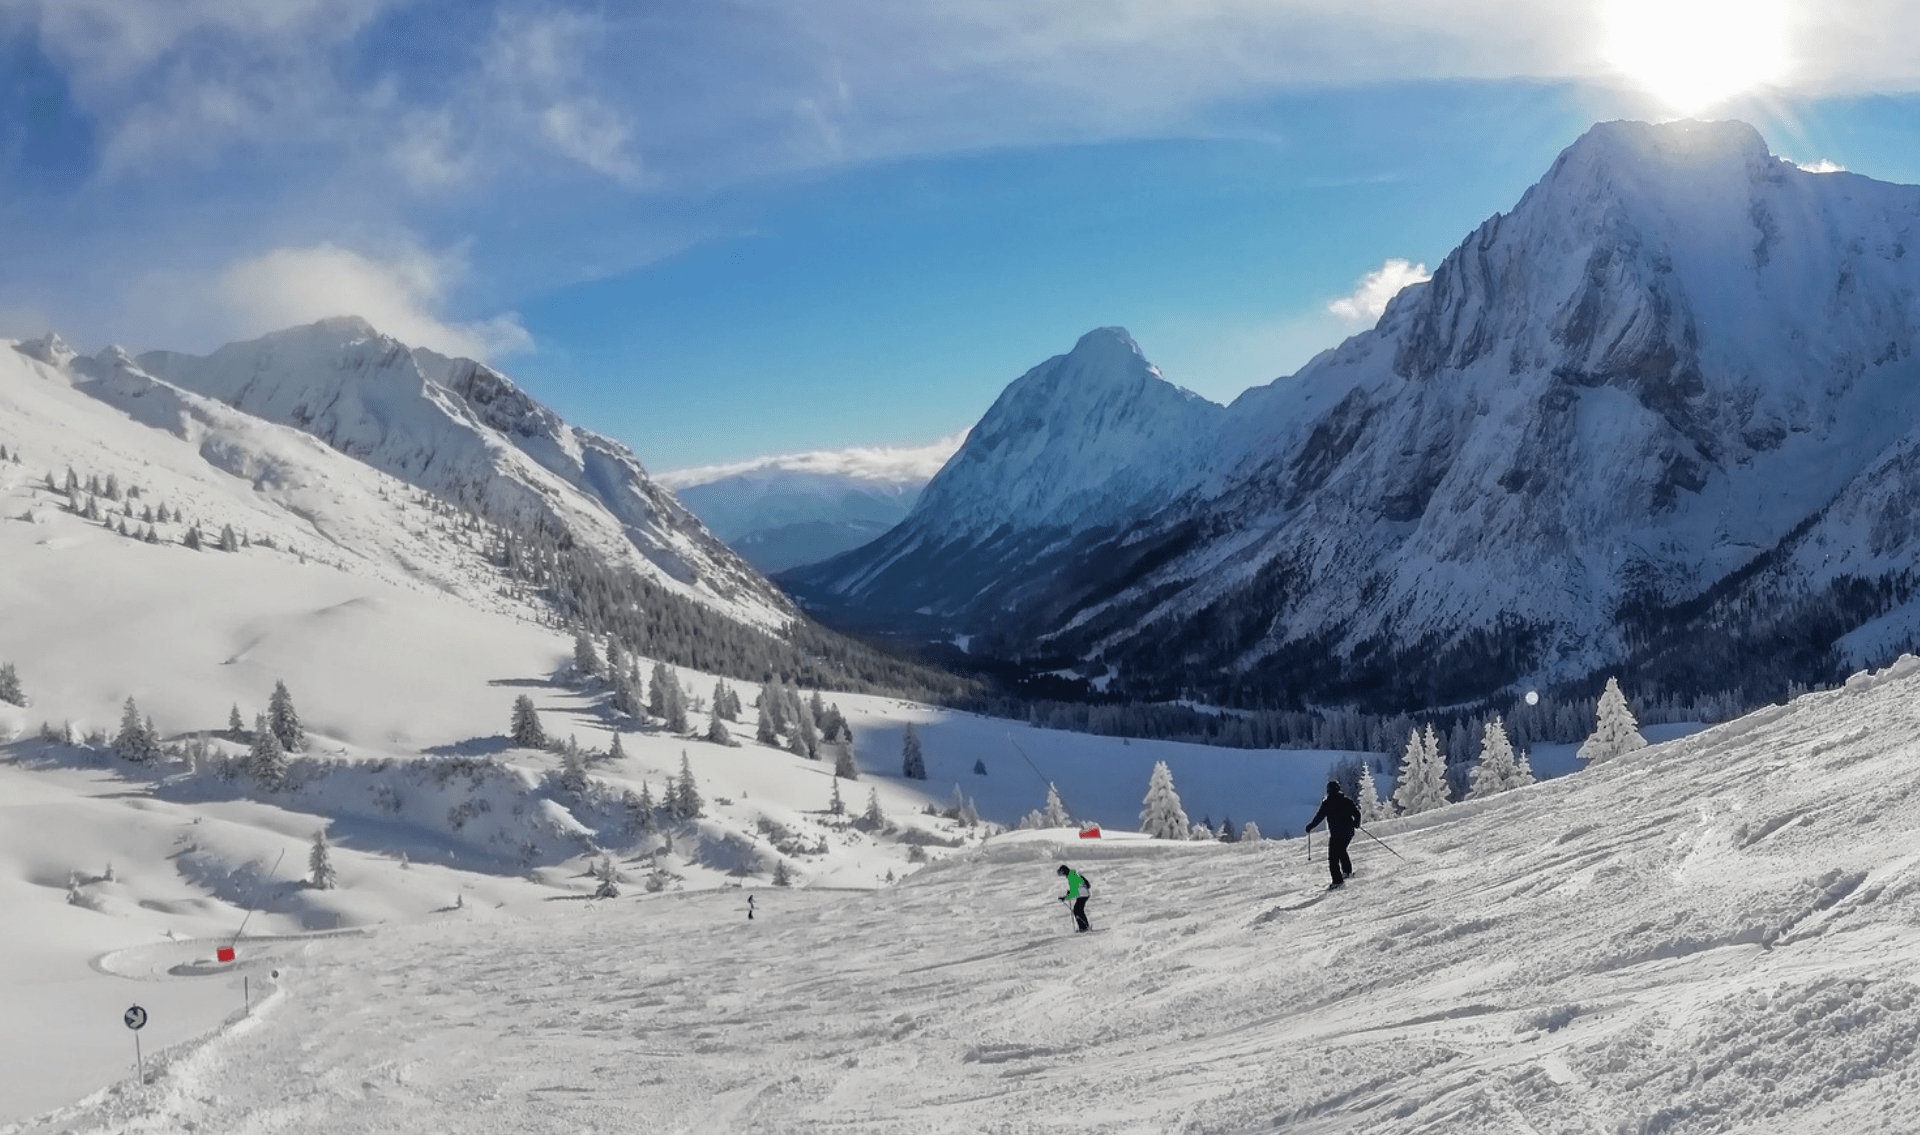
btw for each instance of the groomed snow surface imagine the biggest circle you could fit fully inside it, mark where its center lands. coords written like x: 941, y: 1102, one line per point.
x: 1715, y: 934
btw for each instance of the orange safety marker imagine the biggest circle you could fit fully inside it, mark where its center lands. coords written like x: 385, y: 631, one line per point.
x: 1091, y: 833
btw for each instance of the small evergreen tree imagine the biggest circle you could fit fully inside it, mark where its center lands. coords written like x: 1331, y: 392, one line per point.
x: 616, y: 657
x: 228, y: 541
x: 586, y: 660
x: 1615, y: 732
x: 834, y: 805
x: 913, y: 764
x: 1371, y: 807
x: 1422, y: 785
x: 1161, y: 815
x: 781, y: 876
x: 843, y: 766
x: 320, y: 873
x: 10, y: 691
x: 573, y: 770
x: 1054, y: 814
x: 236, y: 725
x: 136, y: 741
x: 616, y: 751
x: 717, y: 730
x: 690, y: 801
x: 526, y: 731
x: 608, y: 887
x: 873, y: 817
x: 192, y: 538
x: 797, y: 745
x: 1250, y: 833
x: 763, y: 726
x: 284, y: 720
x: 266, y: 760
x: 1495, y: 772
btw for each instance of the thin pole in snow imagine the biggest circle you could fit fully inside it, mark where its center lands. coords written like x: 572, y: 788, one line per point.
x: 1382, y: 843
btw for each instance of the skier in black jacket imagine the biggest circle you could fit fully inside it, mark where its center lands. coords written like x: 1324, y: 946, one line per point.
x: 1342, y: 816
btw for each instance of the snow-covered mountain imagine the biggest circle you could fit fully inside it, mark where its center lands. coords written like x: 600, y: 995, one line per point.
x: 785, y: 511
x: 1662, y: 412
x: 466, y: 433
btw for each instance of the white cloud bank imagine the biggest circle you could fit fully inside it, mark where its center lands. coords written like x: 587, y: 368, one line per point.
x: 891, y: 464
x: 1369, y: 301
x: 399, y: 294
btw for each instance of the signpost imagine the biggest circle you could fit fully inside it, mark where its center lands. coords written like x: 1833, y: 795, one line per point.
x: 136, y: 1019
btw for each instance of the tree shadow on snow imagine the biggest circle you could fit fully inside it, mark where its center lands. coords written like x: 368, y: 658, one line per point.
x: 472, y: 747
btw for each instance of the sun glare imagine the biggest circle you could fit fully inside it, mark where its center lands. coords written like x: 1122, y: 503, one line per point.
x: 1693, y: 53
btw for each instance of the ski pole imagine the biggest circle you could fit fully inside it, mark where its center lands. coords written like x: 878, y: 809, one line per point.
x: 1382, y: 843
x: 1309, y: 845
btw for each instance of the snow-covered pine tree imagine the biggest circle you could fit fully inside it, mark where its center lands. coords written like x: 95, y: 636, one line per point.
x: 1162, y: 816
x: 616, y: 657
x: 607, y: 886
x: 1227, y: 834
x: 1523, y: 770
x: 1371, y: 808
x: 657, y: 692
x: 797, y: 745
x: 1615, y: 732
x: 1495, y: 771
x: 763, y: 725
x: 717, y: 730
x: 781, y: 876
x: 586, y: 660
x: 773, y: 698
x: 615, y: 750
x: 228, y: 541
x: 625, y: 699
x: 721, y: 710
x: 690, y: 801
x: 236, y: 725
x: 10, y: 691
x: 526, y: 731
x: 266, y: 760
x: 284, y: 720
x: 192, y: 538
x: 573, y: 770
x: 135, y: 742
x: 834, y: 805
x: 1054, y: 814
x: 969, y: 814
x: 805, y: 730
x: 843, y: 766
x: 1422, y: 784
x: 320, y: 873
x: 913, y: 763
x: 676, y: 705
x: 1250, y: 833
x: 873, y: 817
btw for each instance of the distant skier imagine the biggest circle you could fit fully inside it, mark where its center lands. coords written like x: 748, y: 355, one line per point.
x: 1342, y: 816
x: 1078, y: 890
x: 749, y: 908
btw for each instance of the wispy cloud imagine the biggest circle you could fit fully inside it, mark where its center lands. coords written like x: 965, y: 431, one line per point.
x: 1369, y: 300
x: 888, y: 464
x: 1823, y: 165
x: 399, y: 292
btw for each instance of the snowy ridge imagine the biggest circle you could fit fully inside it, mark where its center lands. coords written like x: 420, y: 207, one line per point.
x: 1677, y: 357
x: 1713, y: 934
x: 465, y: 432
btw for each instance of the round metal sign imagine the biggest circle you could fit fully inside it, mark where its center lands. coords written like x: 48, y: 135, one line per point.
x: 135, y: 1017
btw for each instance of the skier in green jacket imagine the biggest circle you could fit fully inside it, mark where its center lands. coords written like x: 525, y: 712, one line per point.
x: 1078, y: 890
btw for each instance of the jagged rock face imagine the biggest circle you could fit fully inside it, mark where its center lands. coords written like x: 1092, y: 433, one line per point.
x: 1664, y: 364
x: 465, y: 432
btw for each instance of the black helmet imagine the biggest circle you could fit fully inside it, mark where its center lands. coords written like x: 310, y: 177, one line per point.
x: 1063, y: 869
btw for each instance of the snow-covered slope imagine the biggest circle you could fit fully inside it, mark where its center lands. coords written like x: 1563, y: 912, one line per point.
x: 1674, y: 387
x: 466, y: 433
x: 1715, y: 934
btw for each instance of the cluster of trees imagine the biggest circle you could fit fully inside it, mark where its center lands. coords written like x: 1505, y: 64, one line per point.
x: 613, y: 600
x: 10, y: 688
x: 83, y: 499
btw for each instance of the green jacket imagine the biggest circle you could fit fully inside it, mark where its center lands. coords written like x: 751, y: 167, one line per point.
x: 1075, y: 884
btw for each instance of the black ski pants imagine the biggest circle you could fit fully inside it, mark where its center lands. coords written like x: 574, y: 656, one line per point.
x: 1338, y: 865
x: 1080, y: 912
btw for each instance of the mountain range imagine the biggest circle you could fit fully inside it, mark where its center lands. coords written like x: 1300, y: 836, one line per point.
x: 1659, y: 420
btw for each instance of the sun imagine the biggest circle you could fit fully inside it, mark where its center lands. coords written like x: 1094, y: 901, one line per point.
x: 1693, y: 53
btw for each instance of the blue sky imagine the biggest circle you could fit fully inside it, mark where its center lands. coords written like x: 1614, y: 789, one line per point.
x: 724, y: 229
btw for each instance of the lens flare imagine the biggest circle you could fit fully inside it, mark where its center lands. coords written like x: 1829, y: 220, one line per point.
x: 1693, y: 53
